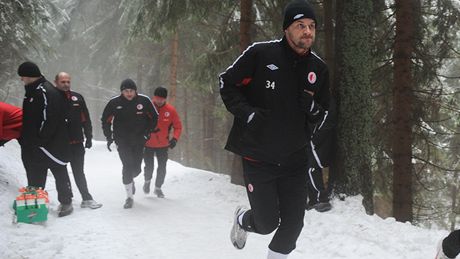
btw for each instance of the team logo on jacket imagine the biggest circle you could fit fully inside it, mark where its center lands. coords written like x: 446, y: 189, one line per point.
x: 311, y: 77
x: 74, y: 98
x: 139, y: 106
x: 250, y: 188
x: 31, y: 100
x: 272, y: 67
x: 167, y: 114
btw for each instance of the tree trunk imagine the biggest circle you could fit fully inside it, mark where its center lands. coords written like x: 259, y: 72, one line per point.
x: 173, y: 71
x: 245, y: 40
x: 403, y: 111
x: 355, y: 108
x: 245, y: 24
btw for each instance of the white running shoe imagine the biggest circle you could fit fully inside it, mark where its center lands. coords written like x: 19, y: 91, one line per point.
x: 238, y: 235
x: 92, y: 204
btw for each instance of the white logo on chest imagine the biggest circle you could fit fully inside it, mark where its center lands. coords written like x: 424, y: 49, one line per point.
x: 139, y: 106
x: 74, y: 98
x: 272, y: 67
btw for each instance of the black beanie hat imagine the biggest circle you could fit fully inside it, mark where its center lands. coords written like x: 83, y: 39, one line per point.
x: 161, y: 92
x: 297, y: 9
x: 128, y: 84
x: 29, y: 69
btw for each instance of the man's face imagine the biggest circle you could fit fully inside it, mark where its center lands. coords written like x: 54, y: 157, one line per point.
x: 301, y: 35
x: 159, y: 101
x: 129, y: 94
x: 28, y: 80
x: 63, y: 82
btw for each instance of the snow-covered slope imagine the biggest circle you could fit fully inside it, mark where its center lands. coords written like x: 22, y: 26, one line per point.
x: 192, y: 222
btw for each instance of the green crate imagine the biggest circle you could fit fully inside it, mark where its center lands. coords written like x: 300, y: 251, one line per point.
x: 31, y: 210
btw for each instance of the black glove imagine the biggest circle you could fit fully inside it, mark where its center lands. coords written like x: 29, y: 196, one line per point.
x: 313, y: 110
x: 172, y: 143
x: 109, y: 142
x: 88, y: 143
x: 147, y: 136
x: 2, y: 142
x: 306, y: 101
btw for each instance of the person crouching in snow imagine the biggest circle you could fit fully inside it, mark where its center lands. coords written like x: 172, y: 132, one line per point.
x: 128, y: 119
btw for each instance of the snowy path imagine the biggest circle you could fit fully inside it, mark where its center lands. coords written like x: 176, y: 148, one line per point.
x: 192, y: 222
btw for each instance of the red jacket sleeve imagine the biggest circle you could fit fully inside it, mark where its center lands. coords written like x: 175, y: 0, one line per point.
x: 177, y: 125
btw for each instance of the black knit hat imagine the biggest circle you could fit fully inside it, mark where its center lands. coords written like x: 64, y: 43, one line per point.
x: 29, y: 69
x: 161, y: 92
x: 297, y: 9
x: 128, y: 84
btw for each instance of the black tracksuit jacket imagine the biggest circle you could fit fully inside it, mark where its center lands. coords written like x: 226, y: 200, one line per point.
x: 44, y: 122
x: 79, y: 119
x: 269, y: 78
x: 133, y: 121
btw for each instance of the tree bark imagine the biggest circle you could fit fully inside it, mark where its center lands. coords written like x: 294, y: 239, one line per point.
x: 173, y: 70
x: 403, y: 111
x: 245, y: 40
x: 355, y: 107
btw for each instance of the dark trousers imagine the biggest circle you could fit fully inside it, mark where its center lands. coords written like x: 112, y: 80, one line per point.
x: 37, y: 164
x: 131, y: 158
x: 451, y: 244
x: 77, y: 161
x: 162, y: 158
x: 277, y: 195
x: 315, y: 183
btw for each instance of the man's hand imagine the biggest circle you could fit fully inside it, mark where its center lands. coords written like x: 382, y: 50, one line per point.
x: 109, y: 142
x: 172, y: 143
x: 88, y: 143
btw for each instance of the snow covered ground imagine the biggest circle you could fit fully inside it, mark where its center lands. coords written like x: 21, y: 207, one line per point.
x: 192, y: 222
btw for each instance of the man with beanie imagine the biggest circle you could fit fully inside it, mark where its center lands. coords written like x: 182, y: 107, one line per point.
x: 128, y: 119
x: 79, y: 124
x: 10, y: 122
x: 160, y: 140
x: 44, y: 138
x: 273, y: 89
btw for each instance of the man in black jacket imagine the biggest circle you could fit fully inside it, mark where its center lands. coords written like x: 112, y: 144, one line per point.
x: 269, y: 89
x: 79, y: 123
x: 44, y: 138
x: 128, y: 119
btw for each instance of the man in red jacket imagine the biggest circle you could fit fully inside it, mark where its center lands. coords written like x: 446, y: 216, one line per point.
x: 10, y: 122
x: 160, y: 140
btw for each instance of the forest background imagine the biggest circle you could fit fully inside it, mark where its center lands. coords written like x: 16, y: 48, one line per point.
x: 394, y: 70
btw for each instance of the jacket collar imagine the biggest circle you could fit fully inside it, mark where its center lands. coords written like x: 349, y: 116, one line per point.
x: 291, y: 54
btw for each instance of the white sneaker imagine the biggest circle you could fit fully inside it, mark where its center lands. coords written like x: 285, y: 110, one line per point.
x: 440, y: 254
x: 238, y: 235
x: 92, y: 204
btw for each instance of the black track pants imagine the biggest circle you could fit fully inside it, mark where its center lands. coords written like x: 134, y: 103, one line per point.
x: 451, y: 244
x: 277, y: 195
x: 316, y: 191
x: 131, y: 158
x: 77, y: 162
x: 162, y: 158
x: 37, y: 164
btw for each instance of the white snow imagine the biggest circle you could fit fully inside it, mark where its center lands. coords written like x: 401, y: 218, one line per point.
x: 192, y: 222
